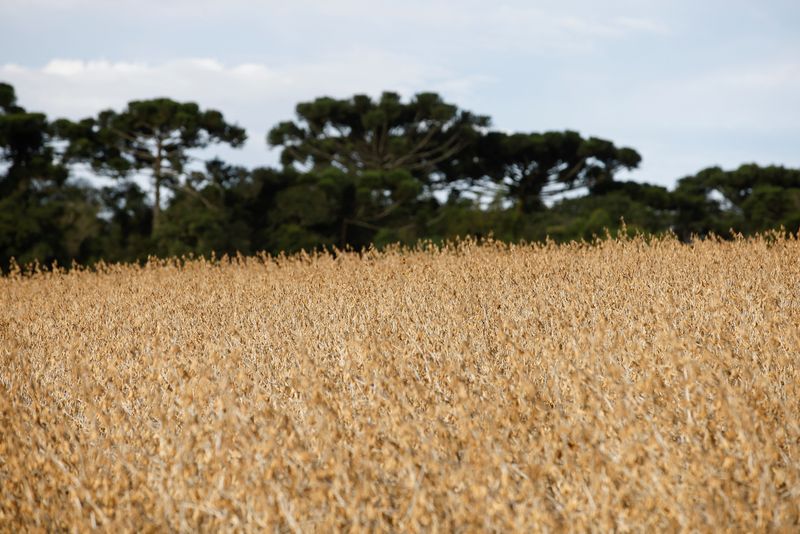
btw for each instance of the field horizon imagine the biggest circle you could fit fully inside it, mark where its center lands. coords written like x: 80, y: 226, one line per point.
x: 626, y: 384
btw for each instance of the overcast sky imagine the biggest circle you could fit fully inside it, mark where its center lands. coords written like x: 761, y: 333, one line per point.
x: 688, y: 83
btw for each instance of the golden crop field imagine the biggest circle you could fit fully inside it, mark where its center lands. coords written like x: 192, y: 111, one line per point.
x: 626, y: 385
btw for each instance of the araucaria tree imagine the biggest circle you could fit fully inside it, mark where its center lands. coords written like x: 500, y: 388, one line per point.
x: 151, y: 136
x: 537, y: 165
x: 361, y: 134
x: 44, y: 216
x: 377, y: 156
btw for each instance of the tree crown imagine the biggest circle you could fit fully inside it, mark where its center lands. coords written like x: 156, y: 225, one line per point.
x: 359, y: 134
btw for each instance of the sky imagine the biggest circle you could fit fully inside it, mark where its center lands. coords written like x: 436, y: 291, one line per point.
x: 687, y: 83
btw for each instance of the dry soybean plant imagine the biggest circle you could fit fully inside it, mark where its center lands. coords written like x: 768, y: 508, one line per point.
x: 626, y: 385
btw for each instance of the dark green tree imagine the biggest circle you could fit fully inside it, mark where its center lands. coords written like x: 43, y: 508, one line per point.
x: 43, y: 216
x: 126, y: 219
x: 360, y: 134
x: 149, y: 136
x: 539, y: 165
x: 376, y: 159
x: 209, y: 215
x: 24, y: 149
x: 748, y: 200
x: 644, y: 208
x: 290, y: 211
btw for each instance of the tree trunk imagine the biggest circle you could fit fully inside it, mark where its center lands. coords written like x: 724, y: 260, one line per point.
x: 157, y: 186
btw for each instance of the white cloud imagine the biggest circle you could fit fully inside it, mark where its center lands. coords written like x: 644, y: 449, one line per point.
x: 67, y: 67
x: 663, y: 119
x: 671, y: 78
x: 254, y: 95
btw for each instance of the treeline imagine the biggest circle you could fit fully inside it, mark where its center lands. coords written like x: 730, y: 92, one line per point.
x: 353, y: 172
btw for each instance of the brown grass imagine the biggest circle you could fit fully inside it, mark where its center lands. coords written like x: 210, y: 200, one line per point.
x: 625, y: 385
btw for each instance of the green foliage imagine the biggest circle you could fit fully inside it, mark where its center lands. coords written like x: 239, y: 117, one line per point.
x: 153, y: 136
x: 772, y: 206
x: 590, y: 216
x: 360, y: 134
x: 43, y: 217
x: 356, y: 172
x: 539, y: 165
x: 749, y: 199
x: 126, y: 224
x: 56, y: 224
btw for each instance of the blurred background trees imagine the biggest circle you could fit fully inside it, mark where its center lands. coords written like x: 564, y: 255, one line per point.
x: 377, y: 159
x: 353, y: 172
x: 149, y: 136
x: 44, y: 215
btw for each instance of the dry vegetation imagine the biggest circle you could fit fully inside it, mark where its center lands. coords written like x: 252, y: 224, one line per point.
x: 625, y: 385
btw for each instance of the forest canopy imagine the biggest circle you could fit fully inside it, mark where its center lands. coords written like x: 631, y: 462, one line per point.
x: 353, y: 172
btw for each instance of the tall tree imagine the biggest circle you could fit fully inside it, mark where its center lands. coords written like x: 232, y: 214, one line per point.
x: 537, y: 165
x: 24, y: 149
x: 376, y: 157
x: 152, y: 136
x: 360, y: 134
x: 43, y: 216
x: 748, y: 199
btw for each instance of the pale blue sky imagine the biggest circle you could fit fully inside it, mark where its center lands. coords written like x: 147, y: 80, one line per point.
x: 687, y: 83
